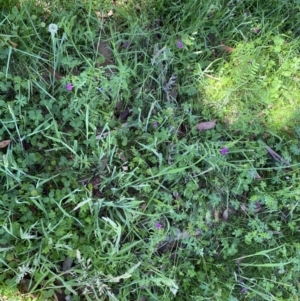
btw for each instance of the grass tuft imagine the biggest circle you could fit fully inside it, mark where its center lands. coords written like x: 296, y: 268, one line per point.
x: 149, y: 150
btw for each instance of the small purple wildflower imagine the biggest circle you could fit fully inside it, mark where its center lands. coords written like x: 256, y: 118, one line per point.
x: 179, y: 44
x: 126, y: 44
x: 244, y: 290
x: 154, y: 124
x: 158, y: 225
x: 224, y: 150
x: 256, y: 30
x: 69, y: 87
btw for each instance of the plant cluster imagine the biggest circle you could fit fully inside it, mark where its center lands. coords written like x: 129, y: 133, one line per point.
x: 149, y: 151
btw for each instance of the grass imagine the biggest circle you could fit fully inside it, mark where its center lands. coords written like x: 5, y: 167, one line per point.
x: 149, y: 151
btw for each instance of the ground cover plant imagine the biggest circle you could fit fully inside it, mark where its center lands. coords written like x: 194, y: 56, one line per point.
x: 149, y: 150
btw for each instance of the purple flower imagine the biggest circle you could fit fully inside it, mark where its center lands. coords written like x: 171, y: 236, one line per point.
x: 158, y: 225
x: 69, y: 86
x: 244, y: 290
x: 154, y: 124
x: 126, y: 44
x: 224, y: 150
x: 179, y: 44
x: 256, y: 30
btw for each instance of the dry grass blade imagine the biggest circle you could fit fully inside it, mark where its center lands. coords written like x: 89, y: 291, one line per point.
x: 276, y: 156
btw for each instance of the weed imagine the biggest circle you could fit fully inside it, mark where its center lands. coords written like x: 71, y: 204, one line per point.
x: 150, y: 151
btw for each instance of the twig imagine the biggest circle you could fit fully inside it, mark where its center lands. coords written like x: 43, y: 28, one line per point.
x: 276, y: 157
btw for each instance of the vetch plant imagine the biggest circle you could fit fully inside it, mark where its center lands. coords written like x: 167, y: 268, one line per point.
x: 224, y: 150
x: 158, y: 225
x: 179, y: 44
x: 142, y: 170
x: 69, y: 87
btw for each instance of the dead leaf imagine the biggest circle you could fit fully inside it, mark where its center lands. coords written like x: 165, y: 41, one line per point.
x: 4, y: 143
x: 104, y: 50
x: 225, y: 215
x: 207, y: 125
x: 217, y: 215
x: 103, y: 16
x: 122, y: 156
x: 124, y: 114
x: 54, y: 73
x: 67, y: 264
x: 227, y: 48
x: 13, y: 44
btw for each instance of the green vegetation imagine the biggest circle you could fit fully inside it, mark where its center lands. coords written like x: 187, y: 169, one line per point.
x: 149, y: 150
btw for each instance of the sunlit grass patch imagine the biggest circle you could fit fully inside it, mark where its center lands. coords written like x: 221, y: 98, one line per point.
x: 259, y: 83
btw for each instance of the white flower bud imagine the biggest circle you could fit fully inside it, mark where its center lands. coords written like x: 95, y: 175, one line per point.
x: 52, y: 28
